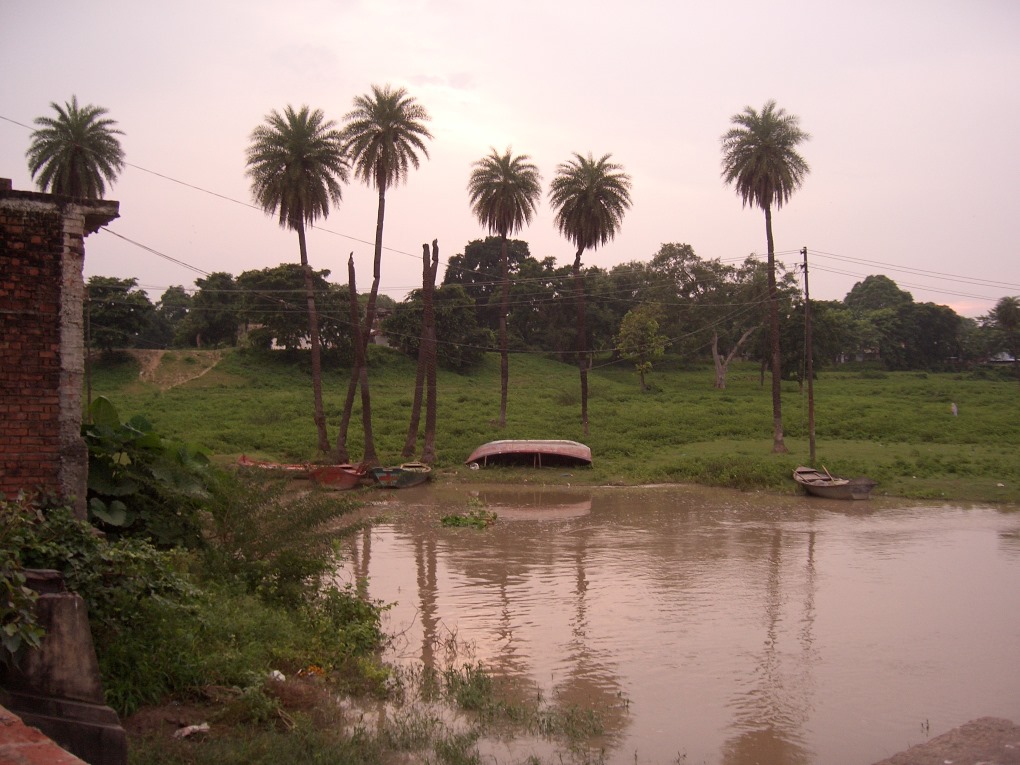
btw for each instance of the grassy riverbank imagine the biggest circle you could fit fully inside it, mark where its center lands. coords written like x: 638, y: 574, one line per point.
x: 894, y: 427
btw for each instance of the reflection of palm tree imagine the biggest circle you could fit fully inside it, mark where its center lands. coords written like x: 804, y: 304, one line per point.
x: 768, y: 722
x: 428, y: 594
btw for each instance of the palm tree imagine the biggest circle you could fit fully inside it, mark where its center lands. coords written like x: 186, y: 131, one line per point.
x: 383, y: 136
x: 296, y: 164
x: 760, y: 159
x: 76, y: 152
x: 504, y: 194
x: 590, y: 197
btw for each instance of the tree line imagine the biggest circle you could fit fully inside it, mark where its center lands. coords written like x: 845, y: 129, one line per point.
x: 702, y: 309
x: 298, y: 162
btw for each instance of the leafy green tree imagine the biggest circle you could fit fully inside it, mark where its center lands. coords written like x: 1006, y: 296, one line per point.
x: 477, y: 269
x: 77, y: 152
x: 590, y: 197
x: 876, y: 292
x: 1004, y: 319
x: 639, y: 340
x: 760, y: 159
x: 214, y: 317
x: 267, y: 304
x: 171, y: 309
x: 383, y: 136
x: 504, y: 192
x: 117, y: 312
x: 462, y: 343
x: 296, y: 164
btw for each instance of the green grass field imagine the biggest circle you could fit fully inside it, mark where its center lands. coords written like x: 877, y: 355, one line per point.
x: 895, y: 427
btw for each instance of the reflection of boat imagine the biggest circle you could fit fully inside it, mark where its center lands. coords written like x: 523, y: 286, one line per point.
x: 530, y: 504
x: 402, y: 476
x: 536, y: 453
x: 340, y: 477
x: 823, y: 484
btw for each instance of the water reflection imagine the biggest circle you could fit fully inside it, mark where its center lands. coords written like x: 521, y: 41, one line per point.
x: 716, y: 626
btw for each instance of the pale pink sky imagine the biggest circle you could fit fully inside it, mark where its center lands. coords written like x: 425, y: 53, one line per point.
x: 913, y: 108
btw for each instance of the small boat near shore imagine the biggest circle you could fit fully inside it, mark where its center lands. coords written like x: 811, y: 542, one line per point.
x: 821, y: 483
x: 531, y: 453
x: 401, y: 476
x: 339, y: 477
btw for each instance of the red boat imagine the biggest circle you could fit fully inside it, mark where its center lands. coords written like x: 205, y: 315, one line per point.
x: 339, y: 477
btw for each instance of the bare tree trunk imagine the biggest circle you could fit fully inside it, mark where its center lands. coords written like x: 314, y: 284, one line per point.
x: 429, y: 451
x: 778, y: 447
x: 419, y: 375
x: 504, y: 353
x: 722, y: 365
x: 582, y: 355
x: 366, y: 331
x: 313, y: 330
x: 352, y: 386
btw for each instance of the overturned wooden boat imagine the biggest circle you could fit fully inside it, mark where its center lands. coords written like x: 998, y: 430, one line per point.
x: 531, y: 453
x: 339, y: 477
x: 401, y: 476
x: 821, y: 483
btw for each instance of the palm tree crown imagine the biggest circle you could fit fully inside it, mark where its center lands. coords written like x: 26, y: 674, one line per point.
x: 591, y: 197
x: 504, y: 191
x: 296, y: 164
x: 383, y: 135
x: 76, y: 152
x: 760, y: 156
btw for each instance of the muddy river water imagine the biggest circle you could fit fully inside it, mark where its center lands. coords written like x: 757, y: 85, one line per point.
x: 714, y: 626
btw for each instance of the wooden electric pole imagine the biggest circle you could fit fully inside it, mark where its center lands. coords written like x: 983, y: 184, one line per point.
x: 810, y: 372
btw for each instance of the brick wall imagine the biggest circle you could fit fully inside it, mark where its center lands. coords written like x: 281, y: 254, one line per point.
x: 41, y: 343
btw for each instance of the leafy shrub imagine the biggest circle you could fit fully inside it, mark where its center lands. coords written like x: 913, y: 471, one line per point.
x: 278, y: 543
x: 140, y: 483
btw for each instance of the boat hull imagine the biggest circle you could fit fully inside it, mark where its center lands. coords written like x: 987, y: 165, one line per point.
x: 401, y: 477
x: 531, y: 453
x: 337, y: 477
x: 821, y: 484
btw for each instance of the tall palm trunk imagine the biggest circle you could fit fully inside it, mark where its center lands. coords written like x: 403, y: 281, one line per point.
x: 504, y: 352
x: 359, y: 375
x: 428, y: 455
x: 582, y: 355
x: 313, y: 331
x: 419, y: 375
x: 352, y: 387
x: 778, y: 447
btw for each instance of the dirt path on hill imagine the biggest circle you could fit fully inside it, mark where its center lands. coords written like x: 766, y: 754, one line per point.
x: 168, y: 369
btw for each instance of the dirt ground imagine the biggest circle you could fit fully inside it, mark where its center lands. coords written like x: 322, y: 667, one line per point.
x: 985, y: 741
x: 185, y: 366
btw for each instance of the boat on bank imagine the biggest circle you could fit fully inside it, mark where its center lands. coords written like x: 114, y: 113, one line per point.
x: 531, y: 453
x: 821, y: 483
x: 401, y: 476
x: 339, y: 477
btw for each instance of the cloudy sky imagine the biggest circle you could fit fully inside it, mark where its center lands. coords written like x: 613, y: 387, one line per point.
x: 913, y: 107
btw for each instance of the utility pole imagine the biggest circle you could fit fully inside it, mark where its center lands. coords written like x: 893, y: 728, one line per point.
x: 810, y: 363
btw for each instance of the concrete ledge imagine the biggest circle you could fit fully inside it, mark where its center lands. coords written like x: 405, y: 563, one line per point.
x: 22, y: 745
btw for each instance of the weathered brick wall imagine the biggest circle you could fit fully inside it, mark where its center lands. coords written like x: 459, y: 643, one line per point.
x: 41, y: 345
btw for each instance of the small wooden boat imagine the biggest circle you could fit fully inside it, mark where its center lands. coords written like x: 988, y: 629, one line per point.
x: 531, y: 453
x: 821, y: 483
x: 402, y: 476
x: 339, y: 477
